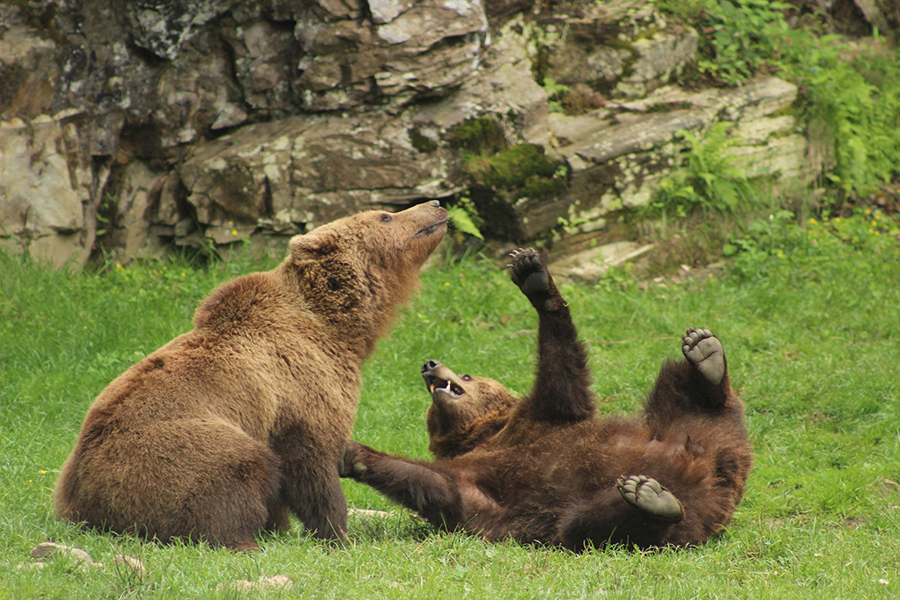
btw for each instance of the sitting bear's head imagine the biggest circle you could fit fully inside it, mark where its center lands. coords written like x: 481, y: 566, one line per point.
x: 465, y: 411
x: 355, y: 272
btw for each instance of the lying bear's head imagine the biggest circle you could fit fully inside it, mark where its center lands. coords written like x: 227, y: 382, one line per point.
x: 464, y: 411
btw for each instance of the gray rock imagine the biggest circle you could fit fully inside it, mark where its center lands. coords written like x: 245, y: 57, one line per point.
x: 618, y: 159
x: 46, y: 189
x: 133, y: 565
x: 591, y: 264
x: 52, y: 549
x: 263, y: 583
x: 204, y: 123
x: 131, y: 234
x: 298, y: 173
x: 164, y: 26
x: 412, y: 50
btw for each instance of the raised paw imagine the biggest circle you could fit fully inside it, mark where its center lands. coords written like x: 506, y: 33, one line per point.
x: 703, y: 350
x: 529, y: 272
x: 649, y: 496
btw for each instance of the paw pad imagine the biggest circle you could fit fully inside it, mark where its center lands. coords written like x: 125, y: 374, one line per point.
x: 648, y: 495
x: 529, y: 272
x: 704, y: 350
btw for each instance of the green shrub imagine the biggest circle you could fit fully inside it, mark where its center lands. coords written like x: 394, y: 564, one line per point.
x: 739, y: 38
x: 711, y: 181
x: 779, y: 241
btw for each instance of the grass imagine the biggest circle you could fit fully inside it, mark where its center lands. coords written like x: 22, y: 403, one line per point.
x: 811, y: 332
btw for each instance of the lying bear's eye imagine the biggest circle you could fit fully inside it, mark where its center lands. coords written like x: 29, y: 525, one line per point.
x: 466, y: 378
x: 386, y: 218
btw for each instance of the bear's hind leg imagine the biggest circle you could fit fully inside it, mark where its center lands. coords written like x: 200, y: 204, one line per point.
x: 238, y: 495
x: 698, y: 385
x: 609, y: 518
x: 650, y: 497
x: 704, y: 351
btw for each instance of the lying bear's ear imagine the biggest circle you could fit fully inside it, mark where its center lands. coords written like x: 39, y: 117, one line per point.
x: 313, y: 245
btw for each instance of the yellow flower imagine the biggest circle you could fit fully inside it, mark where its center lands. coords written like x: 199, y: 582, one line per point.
x: 813, y: 221
x: 868, y: 211
x: 234, y: 232
x: 43, y: 472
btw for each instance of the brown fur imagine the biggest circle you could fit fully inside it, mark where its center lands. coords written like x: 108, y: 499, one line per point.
x: 544, y: 468
x: 227, y: 428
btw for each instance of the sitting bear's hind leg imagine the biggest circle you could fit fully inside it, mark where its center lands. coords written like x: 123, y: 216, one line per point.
x: 649, y: 496
x: 704, y: 351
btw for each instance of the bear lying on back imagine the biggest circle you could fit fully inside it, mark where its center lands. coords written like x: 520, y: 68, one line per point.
x: 222, y: 431
x: 546, y: 469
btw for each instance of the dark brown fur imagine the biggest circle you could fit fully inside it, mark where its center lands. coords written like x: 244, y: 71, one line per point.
x: 226, y: 429
x: 544, y: 468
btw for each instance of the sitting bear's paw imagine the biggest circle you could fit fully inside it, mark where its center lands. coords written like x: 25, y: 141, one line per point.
x: 649, y: 496
x: 705, y: 352
x: 352, y: 465
x: 529, y: 272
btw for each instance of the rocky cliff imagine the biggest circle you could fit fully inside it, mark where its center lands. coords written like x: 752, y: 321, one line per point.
x: 130, y: 126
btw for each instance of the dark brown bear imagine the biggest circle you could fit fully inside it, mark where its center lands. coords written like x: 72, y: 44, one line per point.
x: 224, y: 430
x: 546, y: 469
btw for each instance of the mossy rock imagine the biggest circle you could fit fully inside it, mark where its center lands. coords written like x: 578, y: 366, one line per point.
x: 523, y: 168
x: 483, y: 135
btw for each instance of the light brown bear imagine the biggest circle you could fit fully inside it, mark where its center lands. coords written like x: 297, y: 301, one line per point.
x: 224, y: 430
x: 545, y: 469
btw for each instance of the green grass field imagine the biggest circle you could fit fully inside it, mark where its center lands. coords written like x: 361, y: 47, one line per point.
x: 812, y: 332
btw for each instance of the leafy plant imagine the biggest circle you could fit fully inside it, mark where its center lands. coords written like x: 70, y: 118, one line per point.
x: 849, y: 91
x: 710, y: 181
x: 555, y: 93
x: 851, y: 99
x: 739, y: 38
x: 780, y: 240
x: 464, y: 216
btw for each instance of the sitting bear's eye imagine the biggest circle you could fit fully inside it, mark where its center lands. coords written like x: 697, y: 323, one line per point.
x: 466, y: 378
x: 386, y: 218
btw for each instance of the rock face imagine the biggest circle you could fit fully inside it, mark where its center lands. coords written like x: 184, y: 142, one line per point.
x: 126, y: 127
x: 618, y: 158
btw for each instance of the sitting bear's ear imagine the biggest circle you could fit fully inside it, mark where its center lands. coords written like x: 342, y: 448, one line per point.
x: 313, y: 245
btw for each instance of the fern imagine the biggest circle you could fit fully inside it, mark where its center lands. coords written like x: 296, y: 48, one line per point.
x: 463, y: 222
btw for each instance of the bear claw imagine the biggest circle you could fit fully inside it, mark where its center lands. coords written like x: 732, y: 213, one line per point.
x: 529, y: 272
x: 704, y: 350
x: 648, y: 495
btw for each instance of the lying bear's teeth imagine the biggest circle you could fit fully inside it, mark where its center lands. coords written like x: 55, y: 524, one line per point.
x: 431, y: 388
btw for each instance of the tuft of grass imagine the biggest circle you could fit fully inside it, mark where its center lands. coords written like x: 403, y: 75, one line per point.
x: 812, y: 342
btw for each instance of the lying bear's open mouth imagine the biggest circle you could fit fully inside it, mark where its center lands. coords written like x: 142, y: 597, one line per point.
x: 430, y: 229
x: 444, y: 386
